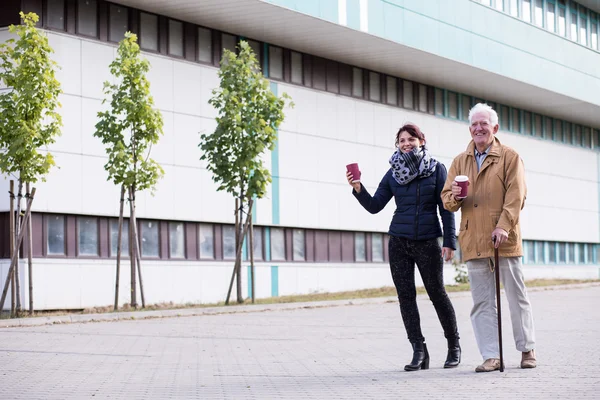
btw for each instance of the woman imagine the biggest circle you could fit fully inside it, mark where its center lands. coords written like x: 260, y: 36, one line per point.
x: 415, y: 180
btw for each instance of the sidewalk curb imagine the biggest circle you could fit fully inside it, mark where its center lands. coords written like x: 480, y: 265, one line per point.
x: 235, y: 309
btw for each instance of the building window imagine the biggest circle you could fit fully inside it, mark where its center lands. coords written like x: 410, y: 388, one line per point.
x: 537, y: 125
x: 548, y: 131
x: 583, y: 30
x: 332, y: 76
x: 275, y: 62
x: 148, y: 31
x: 377, y: 247
x: 577, y: 135
x: 573, y: 24
x: 526, y: 14
x: 586, y: 138
x: 539, y: 252
x: 206, y: 241
x: 562, y: 252
x: 516, y: 120
x: 299, y: 244
x: 439, y: 102
x: 118, y: 22
x: 176, y: 240
x: 465, y: 107
x: 277, y: 244
x: 374, y: 87
x: 552, y: 252
x: 255, y: 46
x: 150, y: 239
x: 87, y: 236
x: 539, y: 13
x: 452, y: 105
x: 87, y: 18
x: 229, y: 242
x: 296, y: 60
x: 114, y: 237
x: 527, y: 123
x: 391, y: 90
x: 56, y: 14
x: 504, y: 117
x: 56, y: 235
x: 257, y: 243
x: 567, y: 134
x: 205, y: 53
x: 360, y: 253
x: 562, y: 21
x: 581, y: 248
x: 530, y: 251
x: 228, y: 42
x: 591, y: 253
x: 407, y: 95
x: 550, y: 16
x: 594, y: 36
x: 514, y: 8
x: 500, y: 5
x: 558, y: 130
x: 571, y: 247
x: 357, y: 82
x: 175, y: 38
x: 422, y: 98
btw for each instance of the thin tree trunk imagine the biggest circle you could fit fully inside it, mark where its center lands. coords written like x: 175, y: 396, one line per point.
x: 238, y: 254
x: 29, y: 254
x: 132, y: 253
x: 251, y: 245
x: 19, y: 228
x: 119, y: 247
x: 136, y: 250
x: 9, y: 276
x: 15, y: 257
x: 238, y: 260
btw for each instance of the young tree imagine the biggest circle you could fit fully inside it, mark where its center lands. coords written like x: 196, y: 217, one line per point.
x: 249, y: 114
x: 128, y: 130
x: 29, y: 119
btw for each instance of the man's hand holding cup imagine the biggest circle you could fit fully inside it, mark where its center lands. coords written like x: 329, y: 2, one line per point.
x: 460, y: 187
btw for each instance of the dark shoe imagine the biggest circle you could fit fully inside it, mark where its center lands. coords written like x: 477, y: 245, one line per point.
x: 454, y: 352
x: 491, y: 364
x: 420, y: 357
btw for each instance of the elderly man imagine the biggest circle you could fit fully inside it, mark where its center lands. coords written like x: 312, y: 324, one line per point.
x: 496, y: 195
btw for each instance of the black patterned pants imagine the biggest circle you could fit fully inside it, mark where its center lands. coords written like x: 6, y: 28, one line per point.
x: 427, y: 255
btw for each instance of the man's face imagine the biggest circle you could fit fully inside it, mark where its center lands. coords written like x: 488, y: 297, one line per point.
x: 482, y: 130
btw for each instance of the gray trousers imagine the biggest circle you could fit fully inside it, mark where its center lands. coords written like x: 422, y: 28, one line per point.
x: 484, y: 316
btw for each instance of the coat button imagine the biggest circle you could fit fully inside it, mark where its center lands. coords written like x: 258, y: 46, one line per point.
x: 475, y: 206
x: 478, y: 254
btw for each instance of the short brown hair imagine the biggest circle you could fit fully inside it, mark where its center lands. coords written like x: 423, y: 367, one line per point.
x: 412, y: 130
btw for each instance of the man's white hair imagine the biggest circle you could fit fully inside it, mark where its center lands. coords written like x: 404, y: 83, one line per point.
x: 484, y: 107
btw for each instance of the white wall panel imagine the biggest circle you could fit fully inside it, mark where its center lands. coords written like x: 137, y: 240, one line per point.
x: 67, y: 54
x: 90, y: 145
x: 62, y: 191
x: 70, y: 140
x: 161, y: 81
x: 186, y: 138
x: 163, y: 152
x: 187, y: 86
x: 95, y: 60
x: 210, y: 81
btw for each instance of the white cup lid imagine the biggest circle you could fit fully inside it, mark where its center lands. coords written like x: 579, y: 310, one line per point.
x: 461, y: 178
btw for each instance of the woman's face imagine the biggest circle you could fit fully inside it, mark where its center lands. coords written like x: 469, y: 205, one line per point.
x: 406, y: 142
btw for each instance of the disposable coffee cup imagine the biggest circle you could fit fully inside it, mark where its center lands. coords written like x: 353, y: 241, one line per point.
x: 353, y: 169
x: 463, y: 182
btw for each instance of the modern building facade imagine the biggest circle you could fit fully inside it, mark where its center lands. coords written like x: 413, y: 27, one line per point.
x: 356, y: 70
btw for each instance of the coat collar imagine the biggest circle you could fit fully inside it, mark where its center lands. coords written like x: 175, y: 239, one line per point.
x: 495, y: 149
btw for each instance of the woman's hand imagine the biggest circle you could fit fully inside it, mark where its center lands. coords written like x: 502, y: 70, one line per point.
x: 447, y: 254
x: 355, y: 185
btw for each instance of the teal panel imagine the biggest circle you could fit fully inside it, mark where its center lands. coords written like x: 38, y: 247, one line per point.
x: 274, y: 281
x: 275, y: 173
x: 353, y: 14
x: 328, y: 10
x: 265, y: 60
x: 376, y: 18
x: 249, y: 281
x: 393, y: 21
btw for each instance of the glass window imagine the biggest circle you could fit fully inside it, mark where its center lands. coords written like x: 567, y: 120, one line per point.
x: 374, y: 87
x: 516, y: 120
x: 205, y: 53
x: 500, y: 5
x: 360, y: 254
x: 377, y: 246
x: 422, y: 98
x: 299, y: 245
x: 255, y: 46
x: 452, y: 105
x: 594, y: 36
x: 558, y: 130
x: 596, y: 138
x: 562, y: 252
x: 149, y: 31
x: 296, y: 68
x: 175, y: 38
x: 581, y: 257
x: 548, y: 131
x: 526, y: 15
x: 87, y: 17
x: 392, y: 90
x: 514, y: 8
x: 56, y: 235
x: 228, y: 242
x: 275, y: 62
x: 114, y: 237
x: 357, y: 82
x: 530, y: 251
x: 465, y: 107
x: 486, y: 2
x: 539, y: 252
x: 87, y: 236
x: 56, y: 14
x: 591, y: 253
x: 539, y: 13
x: 571, y: 247
x: 228, y: 42
x: 552, y: 252
x: 577, y: 135
x: 332, y: 76
x: 586, y: 139
x: 567, y: 134
x: 504, y: 118
x: 150, y: 239
x: 573, y: 25
x: 583, y: 31
x: 176, y: 240
x: 206, y: 239
x: 439, y: 102
x: 562, y: 22
x: 527, y: 122
x: 537, y: 125
x: 550, y: 16
x: 277, y: 244
x: 118, y: 21
x: 257, y: 243
x: 407, y: 94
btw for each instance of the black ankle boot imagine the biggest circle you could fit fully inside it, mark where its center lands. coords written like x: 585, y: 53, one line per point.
x: 453, y: 358
x: 420, y: 357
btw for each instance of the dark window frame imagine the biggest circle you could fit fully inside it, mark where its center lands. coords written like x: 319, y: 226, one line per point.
x: 77, y: 250
x: 97, y: 36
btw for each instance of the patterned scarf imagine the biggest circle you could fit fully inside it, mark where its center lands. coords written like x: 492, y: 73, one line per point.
x: 415, y: 164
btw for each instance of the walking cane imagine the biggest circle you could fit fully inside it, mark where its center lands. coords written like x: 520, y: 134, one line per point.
x: 497, y: 272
